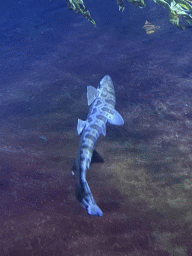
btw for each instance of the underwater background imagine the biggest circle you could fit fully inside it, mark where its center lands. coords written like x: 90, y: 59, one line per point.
x: 49, y: 55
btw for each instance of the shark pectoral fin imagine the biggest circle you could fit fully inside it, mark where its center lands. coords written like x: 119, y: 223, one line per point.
x: 91, y: 94
x: 80, y: 126
x: 116, y: 119
x: 104, y: 131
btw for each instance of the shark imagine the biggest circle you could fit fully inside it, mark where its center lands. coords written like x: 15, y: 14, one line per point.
x: 102, y: 110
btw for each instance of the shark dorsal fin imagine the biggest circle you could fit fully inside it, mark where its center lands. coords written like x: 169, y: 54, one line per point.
x: 116, y: 119
x: 91, y: 94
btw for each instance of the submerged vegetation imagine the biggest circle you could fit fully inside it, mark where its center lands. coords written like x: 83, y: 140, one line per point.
x: 177, y: 9
x: 78, y: 6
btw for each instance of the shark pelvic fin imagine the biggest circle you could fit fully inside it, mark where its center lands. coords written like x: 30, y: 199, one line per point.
x: 80, y: 126
x: 116, y: 119
x: 91, y: 94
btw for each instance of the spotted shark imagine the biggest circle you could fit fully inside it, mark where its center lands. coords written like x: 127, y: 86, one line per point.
x: 102, y: 110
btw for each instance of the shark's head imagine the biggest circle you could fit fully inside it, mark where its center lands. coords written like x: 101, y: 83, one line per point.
x: 106, y: 84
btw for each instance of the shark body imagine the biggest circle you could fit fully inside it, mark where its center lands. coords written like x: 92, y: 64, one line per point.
x: 102, y: 110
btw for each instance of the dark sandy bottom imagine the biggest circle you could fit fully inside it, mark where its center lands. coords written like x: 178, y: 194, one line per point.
x: 144, y: 186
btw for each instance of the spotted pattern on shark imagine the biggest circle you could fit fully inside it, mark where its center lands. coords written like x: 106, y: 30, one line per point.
x: 102, y: 110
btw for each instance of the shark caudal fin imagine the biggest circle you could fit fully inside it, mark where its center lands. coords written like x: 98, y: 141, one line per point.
x: 92, y: 208
x: 86, y: 199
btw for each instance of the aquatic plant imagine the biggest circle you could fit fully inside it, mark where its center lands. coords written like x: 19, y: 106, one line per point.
x: 78, y: 6
x: 178, y: 8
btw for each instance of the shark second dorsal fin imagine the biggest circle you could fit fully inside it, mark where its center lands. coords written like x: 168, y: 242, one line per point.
x: 91, y: 94
x: 80, y: 126
x: 116, y: 119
